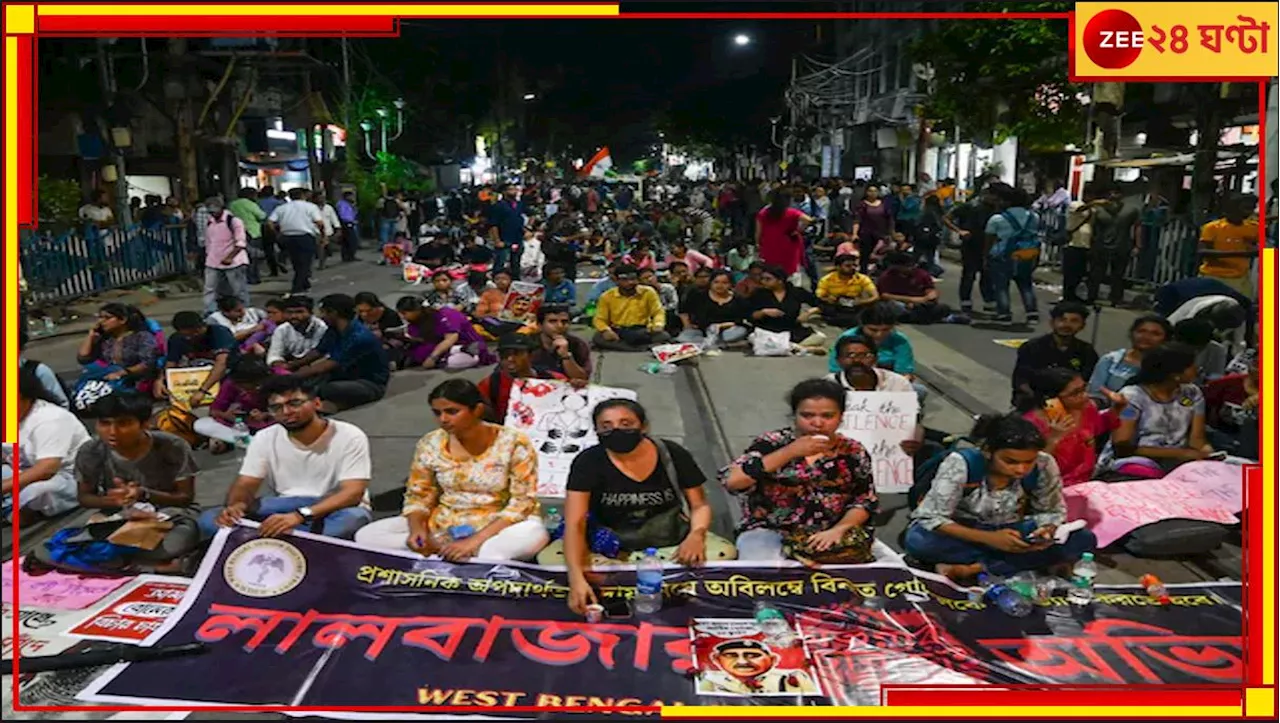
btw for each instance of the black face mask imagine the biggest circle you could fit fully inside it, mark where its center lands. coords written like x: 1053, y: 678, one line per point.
x: 621, y: 441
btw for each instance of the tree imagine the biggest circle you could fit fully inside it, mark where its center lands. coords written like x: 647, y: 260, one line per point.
x: 1005, y: 78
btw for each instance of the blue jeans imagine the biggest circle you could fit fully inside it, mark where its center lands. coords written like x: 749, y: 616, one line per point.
x: 386, y: 231
x: 341, y: 523
x: 931, y: 547
x: 1019, y: 272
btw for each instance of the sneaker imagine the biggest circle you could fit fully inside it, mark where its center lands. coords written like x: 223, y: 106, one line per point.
x: 1033, y: 318
x: 1004, y: 319
x: 990, y: 308
x: 966, y: 307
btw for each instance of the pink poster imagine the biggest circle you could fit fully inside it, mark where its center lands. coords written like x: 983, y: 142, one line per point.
x: 56, y: 590
x: 1208, y: 491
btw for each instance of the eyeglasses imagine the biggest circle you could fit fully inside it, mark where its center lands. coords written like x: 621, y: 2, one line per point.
x: 293, y: 404
x: 861, y: 355
x: 1075, y: 392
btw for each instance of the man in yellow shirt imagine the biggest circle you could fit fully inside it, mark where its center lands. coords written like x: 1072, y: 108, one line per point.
x: 629, y: 317
x: 844, y: 292
x: 1227, y: 246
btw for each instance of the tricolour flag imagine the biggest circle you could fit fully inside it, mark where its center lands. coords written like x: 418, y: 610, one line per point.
x: 600, y: 164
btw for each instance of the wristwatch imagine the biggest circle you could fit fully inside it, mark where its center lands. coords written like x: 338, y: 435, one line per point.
x: 305, y: 512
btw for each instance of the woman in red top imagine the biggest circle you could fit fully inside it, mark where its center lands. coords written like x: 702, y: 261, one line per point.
x: 1070, y: 422
x: 779, y: 230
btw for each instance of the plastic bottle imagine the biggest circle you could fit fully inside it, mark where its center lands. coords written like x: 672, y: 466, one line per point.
x: 1008, y: 600
x: 649, y: 583
x: 1082, y: 575
x: 552, y: 519
x: 243, y: 436
x: 978, y: 593
x: 461, y: 532
x: 49, y: 326
x: 1154, y: 588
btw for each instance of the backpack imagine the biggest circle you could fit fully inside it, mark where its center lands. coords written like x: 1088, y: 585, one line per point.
x: 31, y: 365
x: 975, y: 464
x: 1024, y: 244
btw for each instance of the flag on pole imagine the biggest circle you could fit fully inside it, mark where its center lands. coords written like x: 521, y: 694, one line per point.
x: 600, y: 165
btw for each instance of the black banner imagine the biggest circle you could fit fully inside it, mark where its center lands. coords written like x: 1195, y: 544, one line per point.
x: 306, y: 621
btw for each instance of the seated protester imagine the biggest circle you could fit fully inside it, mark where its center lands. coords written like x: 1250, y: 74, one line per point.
x: 1116, y: 369
x: 476, y: 284
x: 353, y: 368
x: 894, y: 352
x: 385, y: 324
x: 630, y: 317
x: 845, y: 292
x: 557, y: 289
x: 640, y: 256
x: 198, y: 344
x: 747, y: 285
x: 777, y: 306
x: 53, y: 388
x: 275, y: 311
x: 1164, y: 424
x: 475, y: 254
x: 680, y: 277
x: 600, y: 287
x: 120, y: 349
x: 490, y: 305
x: 558, y: 351
x: 905, y: 283
x: 48, y: 439
x: 695, y: 260
x: 701, y: 280
x: 440, y: 338
x: 467, y: 474
x: 238, y: 400
x: 515, y: 352
x: 806, y: 491
x: 1005, y: 523
x: 435, y: 253
x: 1060, y: 348
x: 845, y: 246
x: 637, y: 490
x: 740, y: 258
x: 715, y: 314
x: 669, y: 297
x: 1058, y: 404
x: 251, y: 327
x: 856, y: 356
x: 1231, y: 412
x: 1211, y: 354
x: 444, y: 294
x: 129, y: 464
x: 319, y: 469
x: 295, y: 344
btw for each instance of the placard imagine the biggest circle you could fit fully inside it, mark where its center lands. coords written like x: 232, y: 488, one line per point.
x: 138, y: 612
x: 734, y: 658
x: 882, y: 421
x: 182, y: 383
x: 522, y: 303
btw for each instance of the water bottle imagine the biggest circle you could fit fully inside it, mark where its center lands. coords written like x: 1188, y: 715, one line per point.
x: 774, y: 625
x: 1082, y: 575
x: 49, y: 326
x: 552, y: 519
x: 1154, y: 588
x: 649, y: 583
x: 1008, y: 600
x: 461, y: 532
x: 979, y: 593
x: 243, y: 436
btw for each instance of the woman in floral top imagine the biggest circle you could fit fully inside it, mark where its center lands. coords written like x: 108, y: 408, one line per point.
x: 467, y: 474
x: 806, y: 491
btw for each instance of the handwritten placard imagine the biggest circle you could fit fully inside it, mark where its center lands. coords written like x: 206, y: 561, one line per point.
x: 182, y: 383
x: 1207, y: 490
x: 882, y: 421
x: 56, y: 590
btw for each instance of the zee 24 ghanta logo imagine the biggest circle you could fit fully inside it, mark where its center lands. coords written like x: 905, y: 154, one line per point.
x: 1113, y: 39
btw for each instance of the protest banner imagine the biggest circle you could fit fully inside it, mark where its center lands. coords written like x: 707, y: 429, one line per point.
x: 414, y: 273
x: 522, y: 303
x: 1207, y: 490
x: 734, y: 657
x: 557, y: 419
x: 882, y: 421
x: 136, y: 613
x: 672, y: 353
x: 56, y: 590
x: 295, y: 620
x: 182, y: 383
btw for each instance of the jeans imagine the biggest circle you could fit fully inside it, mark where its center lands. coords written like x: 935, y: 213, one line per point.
x: 635, y: 338
x: 341, y: 523
x: 1108, y: 263
x: 971, y: 270
x: 302, y: 252
x: 1019, y: 272
x: 932, y: 548
x: 1075, y: 270
x: 225, y: 282
x: 386, y: 231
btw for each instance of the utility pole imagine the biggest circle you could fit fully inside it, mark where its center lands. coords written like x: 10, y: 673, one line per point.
x: 177, y: 89
x: 106, y: 77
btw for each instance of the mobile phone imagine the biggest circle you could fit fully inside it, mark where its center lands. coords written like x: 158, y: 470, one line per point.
x: 1054, y: 410
x: 618, y: 608
x: 1219, y: 456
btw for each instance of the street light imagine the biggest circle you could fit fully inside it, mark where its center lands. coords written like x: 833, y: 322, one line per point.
x: 530, y: 96
x: 741, y: 39
x: 383, y: 114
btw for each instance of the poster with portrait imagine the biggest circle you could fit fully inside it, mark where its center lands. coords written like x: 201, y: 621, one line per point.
x: 882, y: 421
x: 522, y: 302
x: 733, y: 657
x: 557, y: 419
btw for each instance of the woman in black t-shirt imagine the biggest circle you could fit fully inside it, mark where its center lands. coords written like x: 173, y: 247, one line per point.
x: 777, y: 306
x: 621, y: 489
x: 716, y: 312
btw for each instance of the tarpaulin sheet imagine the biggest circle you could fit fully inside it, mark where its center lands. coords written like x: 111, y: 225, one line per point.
x: 305, y: 620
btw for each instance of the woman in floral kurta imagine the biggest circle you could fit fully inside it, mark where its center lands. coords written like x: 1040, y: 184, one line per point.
x: 467, y: 474
x: 806, y: 491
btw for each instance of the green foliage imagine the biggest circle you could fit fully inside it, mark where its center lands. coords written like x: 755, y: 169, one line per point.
x: 1002, y: 78
x: 58, y: 200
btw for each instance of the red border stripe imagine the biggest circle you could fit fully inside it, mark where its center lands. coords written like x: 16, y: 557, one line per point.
x: 247, y: 26
x: 26, y: 133
x: 977, y: 697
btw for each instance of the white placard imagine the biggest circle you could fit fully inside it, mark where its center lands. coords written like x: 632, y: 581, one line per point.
x: 882, y: 421
x: 557, y: 419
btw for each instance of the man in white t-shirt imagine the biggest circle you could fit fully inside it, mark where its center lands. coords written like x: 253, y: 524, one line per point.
x: 298, y: 224
x: 319, y: 469
x: 48, y: 439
